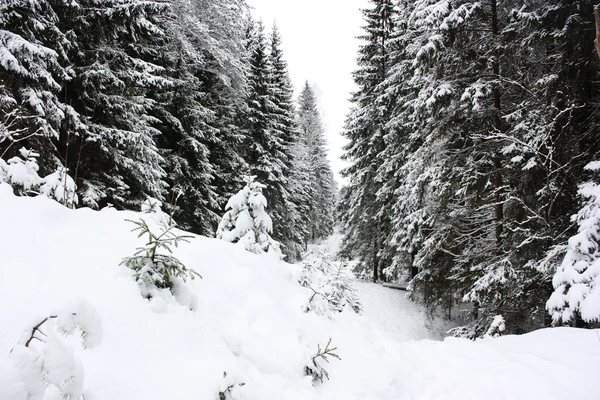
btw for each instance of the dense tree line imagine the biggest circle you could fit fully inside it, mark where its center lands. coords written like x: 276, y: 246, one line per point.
x: 471, y: 127
x: 177, y: 101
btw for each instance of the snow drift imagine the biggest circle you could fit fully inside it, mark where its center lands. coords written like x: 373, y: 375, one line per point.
x: 240, y: 331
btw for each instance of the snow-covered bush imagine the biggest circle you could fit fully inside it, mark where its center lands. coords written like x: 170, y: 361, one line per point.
x: 21, y: 173
x: 577, y: 280
x: 61, y: 187
x: 316, y: 367
x: 481, y: 328
x: 43, y: 359
x: 330, y: 282
x: 155, y: 271
x: 246, y: 221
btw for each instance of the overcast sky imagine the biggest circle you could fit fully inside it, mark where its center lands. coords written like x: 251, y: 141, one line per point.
x: 319, y: 44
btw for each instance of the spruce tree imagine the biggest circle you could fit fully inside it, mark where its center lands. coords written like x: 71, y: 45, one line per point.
x: 364, y: 227
x: 196, y: 125
x: 288, y: 230
x: 265, y: 145
x: 321, y: 182
x: 113, y: 151
x: 34, y: 65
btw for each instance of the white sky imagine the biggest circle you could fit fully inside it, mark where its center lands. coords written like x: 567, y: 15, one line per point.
x: 319, y: 43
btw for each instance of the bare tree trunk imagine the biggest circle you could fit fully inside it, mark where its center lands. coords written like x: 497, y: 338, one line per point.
x: 413, y: 269
x: 597, y: 18
x: 375, y: 262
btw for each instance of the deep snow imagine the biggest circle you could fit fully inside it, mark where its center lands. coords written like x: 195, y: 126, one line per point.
x: 248, y: 322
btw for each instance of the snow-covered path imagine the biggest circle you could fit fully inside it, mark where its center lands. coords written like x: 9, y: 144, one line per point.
x: 388, y: 311
x: 393, y: 314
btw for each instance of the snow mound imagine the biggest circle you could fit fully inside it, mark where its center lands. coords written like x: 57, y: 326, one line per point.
x: 247, y: 336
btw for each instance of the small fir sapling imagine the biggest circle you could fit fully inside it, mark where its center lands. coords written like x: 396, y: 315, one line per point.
x: 340, y: 290
x: 247, y: 222
x: 44, y: 360
x: 314, y: 267
x: 153, y: 207
x: 315, y: 368
x: 330, y: 282
x: 227, y: 393
x: 157, y: 271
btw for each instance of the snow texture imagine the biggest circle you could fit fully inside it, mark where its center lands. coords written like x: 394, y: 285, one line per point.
x: 248, y: 322
x: 42, y: 360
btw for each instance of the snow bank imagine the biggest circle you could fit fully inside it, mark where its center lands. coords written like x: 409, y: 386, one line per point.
x: 247, y: 322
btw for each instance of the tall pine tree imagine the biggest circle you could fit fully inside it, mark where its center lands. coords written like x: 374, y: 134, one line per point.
x: 363, y: 225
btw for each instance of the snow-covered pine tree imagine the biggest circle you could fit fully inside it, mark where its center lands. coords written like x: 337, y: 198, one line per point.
x: 265, y: 146
x: 33, y: 65
x: 364, y: 228
x: 140, y: 75
x: 114, y: 153
x: 152, y: 270
x: 321, y: 181
x: 196, y: 134
x: 539, y: 149
x: 420, y: 158
x: 301, y: 193
x: 283, y: 92
x: 205, y: 47
x: 577, y: 281
x: 247, y: 222
x: 21, y: 172
x: 60, y: 186
x: 288, y: 229
x: 316, y: 367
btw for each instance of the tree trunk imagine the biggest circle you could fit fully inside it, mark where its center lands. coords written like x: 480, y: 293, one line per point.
x: 375, y: 262
x: 413, y: 269
x: 597, y: 18
x: 497, y: 180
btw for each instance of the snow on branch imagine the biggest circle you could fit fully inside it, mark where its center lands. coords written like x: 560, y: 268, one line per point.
x: 316, y: 368
x: 43, y: 359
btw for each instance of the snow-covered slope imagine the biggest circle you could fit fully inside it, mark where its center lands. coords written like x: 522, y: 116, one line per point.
x: 248, y: 322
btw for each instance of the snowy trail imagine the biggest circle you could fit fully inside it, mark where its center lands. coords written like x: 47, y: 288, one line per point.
x: 393, y: 314
x: 388, y: 310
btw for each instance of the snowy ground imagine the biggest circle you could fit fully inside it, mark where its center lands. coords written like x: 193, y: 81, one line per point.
x: 247, y: 320
x: 394, y: 315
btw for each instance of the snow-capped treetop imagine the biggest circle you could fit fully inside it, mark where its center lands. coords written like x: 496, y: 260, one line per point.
x: 153, y: 207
